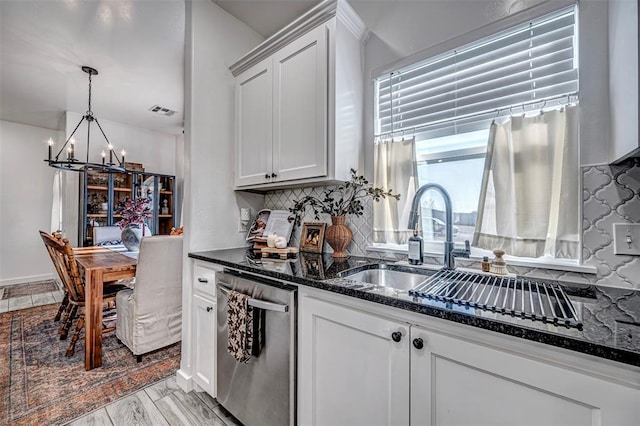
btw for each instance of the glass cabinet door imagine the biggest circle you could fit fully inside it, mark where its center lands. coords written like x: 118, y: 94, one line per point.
x: 146, y: 186
x: 159, y: 189
x: 166, y: 204
x: 96, y: 188
x: 121, y: 184
x: 103, y: 192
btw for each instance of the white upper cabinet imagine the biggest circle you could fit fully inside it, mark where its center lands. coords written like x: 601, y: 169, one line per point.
x: 623, y: 79
x: 253, y: 145
x: 300, y: 108
x: 299, y: 102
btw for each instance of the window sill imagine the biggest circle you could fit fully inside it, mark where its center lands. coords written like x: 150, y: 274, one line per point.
x: 433, y: 249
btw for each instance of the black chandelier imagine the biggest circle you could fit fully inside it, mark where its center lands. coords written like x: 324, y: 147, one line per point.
x: 70, y: 162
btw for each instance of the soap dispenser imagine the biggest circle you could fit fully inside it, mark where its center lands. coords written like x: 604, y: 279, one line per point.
x: 416, y: 249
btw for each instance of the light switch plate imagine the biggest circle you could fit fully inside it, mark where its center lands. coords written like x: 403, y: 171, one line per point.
x: 245, y: 217
x: 626, y: 238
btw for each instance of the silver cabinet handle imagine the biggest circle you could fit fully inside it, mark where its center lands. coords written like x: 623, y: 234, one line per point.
x: 257, y: 303
x: 203, y: 280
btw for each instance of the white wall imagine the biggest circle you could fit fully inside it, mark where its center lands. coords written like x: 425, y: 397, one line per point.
x: 179, y: 186
x: 155, y: 150
x: 26, y: 194
x: 25, y: 202
x: 215, y: 40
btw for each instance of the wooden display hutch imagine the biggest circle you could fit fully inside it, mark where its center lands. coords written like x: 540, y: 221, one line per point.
x: 101, y: 192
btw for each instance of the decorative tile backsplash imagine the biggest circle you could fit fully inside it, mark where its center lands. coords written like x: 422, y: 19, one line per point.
x: 611, y: 194
x: 361, y: 226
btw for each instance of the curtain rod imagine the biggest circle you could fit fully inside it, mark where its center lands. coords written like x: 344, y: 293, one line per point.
x: 571, y: 98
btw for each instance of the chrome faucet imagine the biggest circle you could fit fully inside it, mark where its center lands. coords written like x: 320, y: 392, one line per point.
x: 450, y: 253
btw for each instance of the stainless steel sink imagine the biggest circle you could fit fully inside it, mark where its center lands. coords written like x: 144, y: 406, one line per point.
x: 396, y: 279
x: 536, y: 300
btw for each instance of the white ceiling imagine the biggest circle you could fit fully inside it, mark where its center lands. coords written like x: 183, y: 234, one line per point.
x: 266, y: 17
x: 137, y: 46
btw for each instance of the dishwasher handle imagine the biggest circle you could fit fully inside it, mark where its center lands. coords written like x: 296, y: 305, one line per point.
x: 257, y: 303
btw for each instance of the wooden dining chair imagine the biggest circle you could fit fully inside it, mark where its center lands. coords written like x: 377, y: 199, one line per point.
x: 64, y: 310
x: 64, y: 260
x: 65, y: 307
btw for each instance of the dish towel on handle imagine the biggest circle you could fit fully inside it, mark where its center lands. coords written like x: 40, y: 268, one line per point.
x: 240, y: 324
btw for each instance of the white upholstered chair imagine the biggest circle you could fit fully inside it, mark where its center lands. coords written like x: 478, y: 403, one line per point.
x: 150, y: 315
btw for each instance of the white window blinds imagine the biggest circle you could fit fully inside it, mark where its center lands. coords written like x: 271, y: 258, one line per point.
x: 464, y: 89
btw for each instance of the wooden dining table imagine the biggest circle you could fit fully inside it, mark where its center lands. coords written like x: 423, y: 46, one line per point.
x: 99, y: 265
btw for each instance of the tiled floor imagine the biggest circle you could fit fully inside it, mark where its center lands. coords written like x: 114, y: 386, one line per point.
x: 30, y: 295
x: 163, y: 403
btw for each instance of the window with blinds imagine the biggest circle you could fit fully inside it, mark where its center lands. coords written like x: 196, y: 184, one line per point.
x: 524, y: 68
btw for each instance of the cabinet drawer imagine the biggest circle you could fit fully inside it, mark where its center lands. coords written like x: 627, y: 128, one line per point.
x: 204, y: 280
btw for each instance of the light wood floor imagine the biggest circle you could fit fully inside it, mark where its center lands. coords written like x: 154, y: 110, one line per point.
x: 163, y: 403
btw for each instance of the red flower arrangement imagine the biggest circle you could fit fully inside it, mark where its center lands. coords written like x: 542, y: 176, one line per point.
x: 134, y: 211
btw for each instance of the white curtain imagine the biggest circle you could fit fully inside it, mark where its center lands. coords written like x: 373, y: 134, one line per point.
x: 530, y: 196
x: 395, y: 168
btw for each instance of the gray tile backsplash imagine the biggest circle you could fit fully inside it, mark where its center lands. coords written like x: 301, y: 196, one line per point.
x: 611, y: 194
x: 361, y: 226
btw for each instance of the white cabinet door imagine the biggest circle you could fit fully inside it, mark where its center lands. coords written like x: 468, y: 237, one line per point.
x: 300, y: 78
x: 351, y: 372
x: 455, y: 382
x: 254, y: 123
x: 204, y: 335
x: 623, y: 79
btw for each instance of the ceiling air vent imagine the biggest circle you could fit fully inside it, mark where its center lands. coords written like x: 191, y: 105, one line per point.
x: 162, y: 110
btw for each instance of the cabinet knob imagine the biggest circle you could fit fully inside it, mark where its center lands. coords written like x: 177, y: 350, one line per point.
x: 203, y: 280
x: 418, y: 343
x: 396, y: 336
x: 273, y: 175
x: 209, y: 308
x: 266, y: 176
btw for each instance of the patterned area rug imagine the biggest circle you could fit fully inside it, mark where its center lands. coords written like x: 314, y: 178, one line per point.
x: 28, y: 288
x: 39, y: 385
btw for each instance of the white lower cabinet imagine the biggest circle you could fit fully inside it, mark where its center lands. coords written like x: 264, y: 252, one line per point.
x: 352, y: 372
x: 455, y: 382
x: 204, y: 335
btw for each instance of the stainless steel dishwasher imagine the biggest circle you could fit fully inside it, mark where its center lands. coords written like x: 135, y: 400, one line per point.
x: 263, y: 391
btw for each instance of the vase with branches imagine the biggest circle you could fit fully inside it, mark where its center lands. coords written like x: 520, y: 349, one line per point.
x: 347, y: 198
x: 133, y: 213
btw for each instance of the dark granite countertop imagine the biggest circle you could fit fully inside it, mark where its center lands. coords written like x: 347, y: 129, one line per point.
x: 610, y: 317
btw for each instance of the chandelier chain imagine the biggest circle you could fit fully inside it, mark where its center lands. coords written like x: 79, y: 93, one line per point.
x: 89, y: 112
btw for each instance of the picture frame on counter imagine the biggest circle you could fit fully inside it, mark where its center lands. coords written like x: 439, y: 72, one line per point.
x: 312, y: 237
